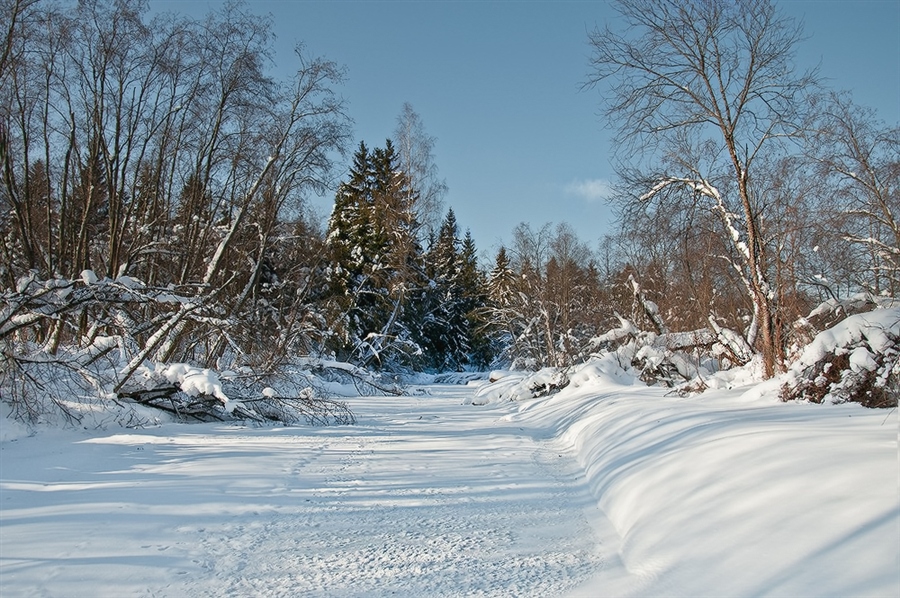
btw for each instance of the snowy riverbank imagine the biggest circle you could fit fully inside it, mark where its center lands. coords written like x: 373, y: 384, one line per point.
x: 734, y: 494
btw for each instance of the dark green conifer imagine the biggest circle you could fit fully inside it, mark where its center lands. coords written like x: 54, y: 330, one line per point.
x: 474, y: 299
x: 376, y: 257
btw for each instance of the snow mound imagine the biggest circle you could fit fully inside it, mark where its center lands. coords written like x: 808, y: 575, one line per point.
x: 856, y: 360
x: 604, y: 370
x: 517, y: 386
x: 194, y: 382
x: 713, y: 495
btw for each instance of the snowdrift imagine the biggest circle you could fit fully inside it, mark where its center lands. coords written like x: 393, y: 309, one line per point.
x: 731, y: 492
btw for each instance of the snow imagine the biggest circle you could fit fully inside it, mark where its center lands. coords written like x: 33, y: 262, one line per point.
x: 422, y: 497
x: 861, y: 360
x: 130, y: 282
x: 608, y: 487
x: 870, y: 326
x: 89, y: 277
x: 625, y: 330
x: 10, y: 430
x: 699, y: 185
x: 724, y: 495
x: 194, y: 381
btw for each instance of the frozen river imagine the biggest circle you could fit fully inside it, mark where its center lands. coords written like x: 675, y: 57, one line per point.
x: 423, y: 497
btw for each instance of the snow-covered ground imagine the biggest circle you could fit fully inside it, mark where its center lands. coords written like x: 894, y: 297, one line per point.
x: 423, y: 497
x: 606, y: 488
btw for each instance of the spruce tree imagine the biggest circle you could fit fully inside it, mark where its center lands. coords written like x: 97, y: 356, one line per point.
x: 446, y: 328
x: 503, y: 320
x: 349, y: 225
x: 449, y: 339
x: 352, y: 247
x: 473, y: 287
x: 502, y: 281
x: 376, y: 258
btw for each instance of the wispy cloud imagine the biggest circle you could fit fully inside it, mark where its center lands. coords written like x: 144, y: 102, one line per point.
x: 590, y: 189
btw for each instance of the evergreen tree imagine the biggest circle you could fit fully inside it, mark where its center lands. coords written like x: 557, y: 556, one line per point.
x: 402, y: 262
x: 470, y: 278
x: 445, y: 254
x: 350, y: 244
x: 443, y: 330
x: 376, y: 258
x: 451, y: 332
x: 474, y: 298
x: 393, y: 303
x: 502, y: 313
x: 502, y: 281
x: 347, y: 226
x: 394, y: 222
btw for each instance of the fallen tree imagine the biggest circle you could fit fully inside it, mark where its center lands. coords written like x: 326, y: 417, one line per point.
x: 80, y: 352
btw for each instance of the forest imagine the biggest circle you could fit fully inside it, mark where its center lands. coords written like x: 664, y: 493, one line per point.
x: 154, y: 211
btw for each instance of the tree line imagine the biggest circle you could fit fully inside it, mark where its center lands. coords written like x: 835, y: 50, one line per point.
x: 155, y: 185
x: 159, y: 149
x: 160, y: 156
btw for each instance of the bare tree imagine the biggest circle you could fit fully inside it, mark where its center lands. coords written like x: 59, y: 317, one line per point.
x: 415, y: 148
x: 859, y: 157
x: 544, y: 301
x: 161, y: 150
x: 152, y: 201
x: 702, y: 90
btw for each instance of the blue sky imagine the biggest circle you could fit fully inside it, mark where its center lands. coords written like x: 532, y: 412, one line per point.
x: 498, y: 83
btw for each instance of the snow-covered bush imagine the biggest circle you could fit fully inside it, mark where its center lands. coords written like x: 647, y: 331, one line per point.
x: 856, y: 360
x: 516, y: 386
x: 828, y: 314
x: 88, y: 350
x: 673, y: 358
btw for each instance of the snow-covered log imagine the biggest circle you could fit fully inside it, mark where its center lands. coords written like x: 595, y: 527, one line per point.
x: 651, y: 310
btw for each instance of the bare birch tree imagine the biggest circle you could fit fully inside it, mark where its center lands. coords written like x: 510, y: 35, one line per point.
x: 700, y: 91
x: 859, y: 157
x: 415, y: 148
x: 159, y: 149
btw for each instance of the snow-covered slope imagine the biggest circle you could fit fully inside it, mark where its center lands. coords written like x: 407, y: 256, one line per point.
x: 731, y: 493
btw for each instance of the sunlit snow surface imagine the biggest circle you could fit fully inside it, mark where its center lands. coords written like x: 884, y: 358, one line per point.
x: 423, y: 497
x: 604, y: 489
